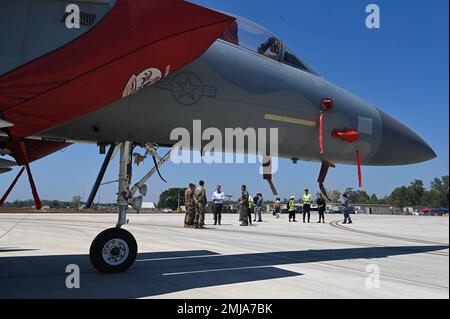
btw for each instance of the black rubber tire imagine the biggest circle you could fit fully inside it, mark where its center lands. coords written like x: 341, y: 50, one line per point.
x: 95, y: 252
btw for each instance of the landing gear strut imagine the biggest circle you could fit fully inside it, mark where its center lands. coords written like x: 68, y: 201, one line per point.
x: 115, y: 250
x: 323, y: 175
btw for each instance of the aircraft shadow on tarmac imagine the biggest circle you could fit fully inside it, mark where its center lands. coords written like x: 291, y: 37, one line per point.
x: 167, y: 272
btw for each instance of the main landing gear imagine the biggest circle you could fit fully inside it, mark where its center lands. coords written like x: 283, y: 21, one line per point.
x: 115, y: 249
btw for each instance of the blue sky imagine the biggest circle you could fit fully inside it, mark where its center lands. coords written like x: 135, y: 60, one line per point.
x: 402, y: 68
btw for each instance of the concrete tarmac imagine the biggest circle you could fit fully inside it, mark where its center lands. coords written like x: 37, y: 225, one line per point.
x: 376, y: 257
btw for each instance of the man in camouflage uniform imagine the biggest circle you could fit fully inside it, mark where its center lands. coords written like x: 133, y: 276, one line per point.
x: 200, y: 205
x: 190, y: 206
x: 244, y: 215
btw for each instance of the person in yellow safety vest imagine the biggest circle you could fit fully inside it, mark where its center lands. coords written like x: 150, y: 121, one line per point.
x: 307, y: 201
x: 292, y: 210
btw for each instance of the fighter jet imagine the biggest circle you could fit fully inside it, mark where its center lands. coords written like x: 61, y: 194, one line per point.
x: 125, y: 73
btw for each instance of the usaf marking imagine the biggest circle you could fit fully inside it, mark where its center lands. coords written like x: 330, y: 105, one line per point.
x: 187, y: 88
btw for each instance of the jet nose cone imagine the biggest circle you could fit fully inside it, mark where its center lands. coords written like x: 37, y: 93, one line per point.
x: 400, y: 145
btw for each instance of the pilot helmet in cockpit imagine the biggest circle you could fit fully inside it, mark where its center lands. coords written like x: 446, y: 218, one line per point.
x: 270, y: 48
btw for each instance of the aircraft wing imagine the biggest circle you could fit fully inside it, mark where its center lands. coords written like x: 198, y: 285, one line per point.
x: 135, y: 45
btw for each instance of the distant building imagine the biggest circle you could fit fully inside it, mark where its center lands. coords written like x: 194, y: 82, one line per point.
x: 148, y: 207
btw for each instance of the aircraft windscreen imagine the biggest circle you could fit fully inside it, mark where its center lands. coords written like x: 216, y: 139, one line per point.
x: 291, y: 58
x: 252, y: 36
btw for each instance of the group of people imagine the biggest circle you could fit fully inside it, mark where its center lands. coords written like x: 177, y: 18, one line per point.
x: 195, y: 201
x: 307, y: 201
x: 250, y: 206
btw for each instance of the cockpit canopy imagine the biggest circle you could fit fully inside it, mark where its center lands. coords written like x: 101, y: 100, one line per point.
x: 252, y: 36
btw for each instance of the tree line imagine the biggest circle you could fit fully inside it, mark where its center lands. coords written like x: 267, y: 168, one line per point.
x: 414, y: 195
x: 30, y: 203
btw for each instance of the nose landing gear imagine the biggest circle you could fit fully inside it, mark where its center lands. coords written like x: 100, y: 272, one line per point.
x: 115, y: 249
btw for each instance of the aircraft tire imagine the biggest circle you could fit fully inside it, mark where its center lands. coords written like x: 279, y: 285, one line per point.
x: 113, y: 251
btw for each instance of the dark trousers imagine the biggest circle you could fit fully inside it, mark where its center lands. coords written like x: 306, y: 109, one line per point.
x: 291, y: 215
x: 347, y: 217
x: 322, y: 214
x: 307, y: 210
x: 218, y: 209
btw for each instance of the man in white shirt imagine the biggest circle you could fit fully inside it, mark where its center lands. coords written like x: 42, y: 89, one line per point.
x: 218, y: 199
